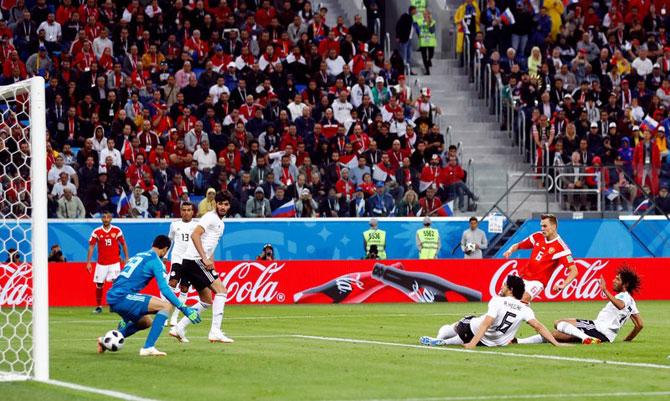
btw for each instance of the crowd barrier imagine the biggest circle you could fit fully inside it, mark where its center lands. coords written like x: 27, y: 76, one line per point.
x: 352, y: 282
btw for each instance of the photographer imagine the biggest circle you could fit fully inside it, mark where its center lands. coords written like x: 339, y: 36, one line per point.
x: 56, y: 254
x: 267, y: 254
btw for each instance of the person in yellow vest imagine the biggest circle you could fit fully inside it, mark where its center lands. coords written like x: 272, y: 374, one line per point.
x: 420, y: 5
x: 427, y: 40
x: 374, y: 237
x: 466, y: 18
x: 427, y: 240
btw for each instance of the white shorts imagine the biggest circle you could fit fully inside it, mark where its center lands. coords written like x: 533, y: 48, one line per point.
x: 106, y: 272
x: 534, y: 288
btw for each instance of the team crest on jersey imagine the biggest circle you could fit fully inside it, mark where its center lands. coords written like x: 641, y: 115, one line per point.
x: 551, y: 250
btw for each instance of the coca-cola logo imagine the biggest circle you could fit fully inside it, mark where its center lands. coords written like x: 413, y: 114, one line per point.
x: 243, y: 286
x: 421, y: 295
x: 584, y: 287
x: 15, y: 284
x: 345, y: 284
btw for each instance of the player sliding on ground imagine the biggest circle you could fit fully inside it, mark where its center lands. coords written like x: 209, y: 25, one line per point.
x: 548, y: 252
x: 180, y: 235
x: 610, y: 319
x: 495, y: 328
x: 124, y: 297
x: 198, y: 269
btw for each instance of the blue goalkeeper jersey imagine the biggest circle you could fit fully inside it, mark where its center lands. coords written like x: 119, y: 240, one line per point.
x: 137, y: 273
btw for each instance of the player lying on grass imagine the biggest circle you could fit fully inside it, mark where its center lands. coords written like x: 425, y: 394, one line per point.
x: 548, y: 251
x: 610, y: 319
x: 124, y: 297
x: 498, y: 326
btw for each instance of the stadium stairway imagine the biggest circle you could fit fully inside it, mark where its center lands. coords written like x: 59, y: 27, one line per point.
x: 490, y: 149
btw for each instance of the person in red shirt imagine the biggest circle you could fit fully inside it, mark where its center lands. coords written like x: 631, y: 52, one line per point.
x: 453, y: 177
x: 108, y: 238
x: 548, y: 253
x: 136, y: 171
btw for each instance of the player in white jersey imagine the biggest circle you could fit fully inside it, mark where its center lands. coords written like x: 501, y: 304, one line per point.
x: 180, y: 235
x: 498, y: 326
x: 611, y: 318
x: 198, y: 268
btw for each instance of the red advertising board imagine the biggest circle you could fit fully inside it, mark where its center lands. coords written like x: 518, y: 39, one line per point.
x: 355, y: 281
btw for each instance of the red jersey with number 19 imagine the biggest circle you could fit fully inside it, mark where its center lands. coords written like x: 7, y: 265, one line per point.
x: 108, y: 244
x: 545, y: 257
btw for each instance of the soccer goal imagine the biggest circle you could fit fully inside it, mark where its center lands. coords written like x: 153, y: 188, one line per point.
x: 24, y: 308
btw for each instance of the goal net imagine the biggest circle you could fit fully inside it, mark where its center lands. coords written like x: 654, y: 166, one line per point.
x: 24, y: 336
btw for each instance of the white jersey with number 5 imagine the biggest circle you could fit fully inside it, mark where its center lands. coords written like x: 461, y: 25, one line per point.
x: 508, y: 313
x: 180, y: 234
x: 610, y: 319
x: 213, y: 226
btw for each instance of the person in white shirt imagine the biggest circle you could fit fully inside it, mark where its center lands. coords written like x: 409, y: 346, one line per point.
x: 180, y: 234
x: 109, y: 151
x: 473, y: 240
x: 342, y: 108
x: 642, y: 64
x: 198, y: 269
x: 215, y: 91
x: 51, y: 29
x: 61, y: 185
x: 296, y: 107
x: 611, y: 318
x: 335, y: 63
x: 101, y: 43
x: 205, y: 156
x: 59, y: 167
x: 139, y: 204
x: 358, y: 91
x: 498, y: 326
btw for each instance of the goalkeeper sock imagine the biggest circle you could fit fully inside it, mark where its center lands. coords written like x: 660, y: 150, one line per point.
x: 446, y: 331
x: 536, y: 339
x: 127, y: 328
x: 156, y: 329
x: 175, y: 314
x: 567, y: 328
x: 217, y: 311
x: 200, y: 306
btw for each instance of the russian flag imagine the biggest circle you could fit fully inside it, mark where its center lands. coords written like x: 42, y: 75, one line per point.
x: 642, y: 207
x: 123, y: 205
x: 423, y: 185
x: 379, y: 175
x: 569, y: 2
x: 448, y: 208
x: 507, y: 17
x: 650, y: 122
x: 285, y: 210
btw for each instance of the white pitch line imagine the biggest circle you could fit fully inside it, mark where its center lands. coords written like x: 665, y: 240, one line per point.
x: 526, y: 396
x: 509, y: 354
x: 93, y: 320
x: 109, y: 393
x: 189, y: 337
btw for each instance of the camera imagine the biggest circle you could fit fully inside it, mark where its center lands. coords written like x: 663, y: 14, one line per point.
x: 373, y: 252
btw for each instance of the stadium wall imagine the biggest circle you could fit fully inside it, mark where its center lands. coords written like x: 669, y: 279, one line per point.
x: 361, y: 281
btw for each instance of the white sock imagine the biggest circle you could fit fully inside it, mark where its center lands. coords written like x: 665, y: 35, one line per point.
x: 217, y: 311
x: 175, y: 312
x: 200, y: 306
x: 446, y: 331
x: 453, y: 341
x: 567, y: 328
x: 536, y: 339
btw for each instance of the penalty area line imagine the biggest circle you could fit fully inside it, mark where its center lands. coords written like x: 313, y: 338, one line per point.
x: 93, y: 390
x: 508, y: 354
x: 643, y: 394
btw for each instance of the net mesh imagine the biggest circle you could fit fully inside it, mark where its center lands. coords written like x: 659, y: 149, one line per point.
x: 15, y: 234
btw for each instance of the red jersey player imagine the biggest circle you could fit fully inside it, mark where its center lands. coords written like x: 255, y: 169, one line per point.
x: 548, y: 252
x: 108, y: 267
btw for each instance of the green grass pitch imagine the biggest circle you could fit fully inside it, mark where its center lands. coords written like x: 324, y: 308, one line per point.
x: 267, y: 362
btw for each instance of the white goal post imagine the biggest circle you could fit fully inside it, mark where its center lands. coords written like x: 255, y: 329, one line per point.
x: 23, y: 222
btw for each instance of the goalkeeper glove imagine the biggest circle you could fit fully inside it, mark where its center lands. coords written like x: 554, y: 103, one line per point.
x: 191, y: 314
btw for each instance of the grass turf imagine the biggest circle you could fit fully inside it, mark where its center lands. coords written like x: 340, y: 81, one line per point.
x: 265, y: 363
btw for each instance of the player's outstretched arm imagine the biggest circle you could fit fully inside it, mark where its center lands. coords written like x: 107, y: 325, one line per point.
x: 511, y: 250
x: 546, y: 334
x: 486, y: 323
x: 639, y: 325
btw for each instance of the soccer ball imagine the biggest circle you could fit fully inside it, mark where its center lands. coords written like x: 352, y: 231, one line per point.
x: 470, y: 247
x: 113, y: 340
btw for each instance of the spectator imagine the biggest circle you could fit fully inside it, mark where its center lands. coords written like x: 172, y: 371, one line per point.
x: 139, y: 204
x: 207, y: 204
x: 403, y: 34
x: 454, y: 185
x: 473, y: 237
x: 663, y: 201
x: 56, y: 254
x: 157, y: 208
x: 267, y: 253
x: 306, y: 206
x: 381, y: 204
x: 647, y: 163
x: 258, y: 206
x: 70, y: 206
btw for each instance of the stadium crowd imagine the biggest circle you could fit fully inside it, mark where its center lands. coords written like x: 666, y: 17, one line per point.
x: 592, y: 80
x: 152, y: 103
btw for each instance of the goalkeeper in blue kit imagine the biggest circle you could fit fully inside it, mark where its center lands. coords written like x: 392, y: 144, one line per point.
x: 124, y: 297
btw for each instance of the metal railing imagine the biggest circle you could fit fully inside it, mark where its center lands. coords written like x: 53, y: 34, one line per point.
x: 387, y: 45
x: 596, y: 191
